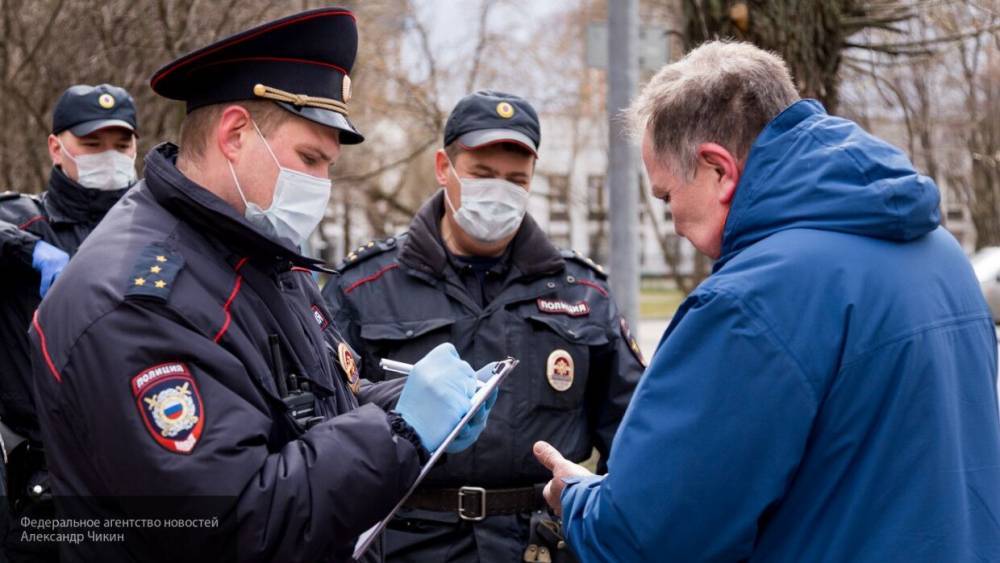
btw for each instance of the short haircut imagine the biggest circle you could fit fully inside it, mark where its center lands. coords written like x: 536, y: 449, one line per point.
x: 200, y: 123
x: 722, y: 92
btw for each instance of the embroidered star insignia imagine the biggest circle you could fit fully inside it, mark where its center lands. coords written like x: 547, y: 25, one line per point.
x: 156, y: 268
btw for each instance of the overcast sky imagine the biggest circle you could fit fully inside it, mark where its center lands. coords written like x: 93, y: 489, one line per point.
x: 454, y: 26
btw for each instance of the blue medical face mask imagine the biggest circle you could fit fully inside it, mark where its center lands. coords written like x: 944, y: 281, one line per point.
x: 492, y: 208
x: 297, y: 206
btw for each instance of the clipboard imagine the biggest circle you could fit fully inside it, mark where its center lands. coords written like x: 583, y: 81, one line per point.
x: 500, y: 371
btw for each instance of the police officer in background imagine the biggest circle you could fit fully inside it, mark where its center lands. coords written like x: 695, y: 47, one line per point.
x: 476, y: 270
x: 93, y: 148
x: 194, y: 372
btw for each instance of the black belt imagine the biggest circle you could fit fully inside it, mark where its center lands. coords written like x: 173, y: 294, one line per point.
x: 476, y: 503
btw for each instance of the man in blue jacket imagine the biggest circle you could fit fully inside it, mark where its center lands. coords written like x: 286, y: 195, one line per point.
x: 829, y: 393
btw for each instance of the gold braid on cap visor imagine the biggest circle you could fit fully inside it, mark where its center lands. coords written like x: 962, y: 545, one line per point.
x: 277, y: 95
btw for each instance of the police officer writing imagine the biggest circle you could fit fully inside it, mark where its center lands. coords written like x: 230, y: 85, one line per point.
x: 194, y: 372
x: 92, y: 146
x: 476, y: 270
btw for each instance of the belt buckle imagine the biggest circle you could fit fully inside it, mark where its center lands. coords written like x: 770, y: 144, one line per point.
x: 462, y: 493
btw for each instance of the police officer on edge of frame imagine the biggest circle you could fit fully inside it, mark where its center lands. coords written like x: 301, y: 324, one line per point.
x: 194, y: 372
x: 476, y: 270
x: 92, y: 146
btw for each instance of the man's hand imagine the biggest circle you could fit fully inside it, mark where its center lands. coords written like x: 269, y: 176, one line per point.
x: 471, y: 431
x: 49, y: 261
x: 437, y: 395
x: 560, y: 468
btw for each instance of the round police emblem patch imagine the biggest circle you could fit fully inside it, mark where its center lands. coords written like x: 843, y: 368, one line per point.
x: 350, y: 367
x: 171, y: 406
x: 173, y: 410
x: 106, y: 101
x: 505, y: 110
x: 559, y: 370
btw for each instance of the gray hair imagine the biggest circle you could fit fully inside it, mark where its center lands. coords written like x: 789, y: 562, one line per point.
x: 721, y: 92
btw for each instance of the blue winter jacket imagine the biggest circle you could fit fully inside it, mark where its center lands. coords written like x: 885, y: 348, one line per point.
x: 827, y: 394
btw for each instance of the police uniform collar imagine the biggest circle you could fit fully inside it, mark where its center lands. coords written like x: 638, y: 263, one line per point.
x: 500, y: 265
x: 67, y: 201
x: 530, y: 252
x: 210, y: 214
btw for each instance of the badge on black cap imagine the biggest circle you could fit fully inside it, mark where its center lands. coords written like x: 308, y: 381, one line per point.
x: 83, y: 109
x: 301, y: 62
x: 488, y: 117
x: 505, y: 110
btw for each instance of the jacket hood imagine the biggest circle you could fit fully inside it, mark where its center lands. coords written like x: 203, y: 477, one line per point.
x: 811, y: 170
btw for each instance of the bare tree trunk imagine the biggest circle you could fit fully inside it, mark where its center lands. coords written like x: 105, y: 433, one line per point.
x: 811, y: 35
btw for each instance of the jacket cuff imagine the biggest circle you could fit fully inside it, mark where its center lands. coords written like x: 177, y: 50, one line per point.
x: 22, y: 247
x: 402, y: 429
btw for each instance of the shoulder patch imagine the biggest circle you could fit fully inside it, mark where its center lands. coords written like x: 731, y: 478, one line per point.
x: 170, y: 405
x: 21, y: 209
x: 155, y: 272
x: 630, y: 342
x: 581, y: 259
x: 368, y: 250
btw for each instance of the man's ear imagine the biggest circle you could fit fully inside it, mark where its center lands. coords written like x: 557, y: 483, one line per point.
x: 54, y: 151
x: 441, y: 167
x: 134, y: 150
x: 229, y: 133
x: 724, y: 167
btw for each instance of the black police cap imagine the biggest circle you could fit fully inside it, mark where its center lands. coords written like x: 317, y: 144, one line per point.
x: 301, y: 62
x: 84, y: 109
x: 487, y: 117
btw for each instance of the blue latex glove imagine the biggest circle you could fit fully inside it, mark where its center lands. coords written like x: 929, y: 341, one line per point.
x: 49, y: 261
x: 471, y: 431
x: 437, y: 395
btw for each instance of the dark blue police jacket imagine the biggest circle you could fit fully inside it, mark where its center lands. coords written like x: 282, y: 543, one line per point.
x: 62, y: 216
x: 154, y: 377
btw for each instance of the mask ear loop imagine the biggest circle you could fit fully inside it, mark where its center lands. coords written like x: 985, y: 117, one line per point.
x: 266, y: 144
x: 239, y: 190
x: 232, y: 170
x: 65, y: 150
x: 447, y: 199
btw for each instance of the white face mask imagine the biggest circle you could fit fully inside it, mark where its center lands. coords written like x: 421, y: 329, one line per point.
x: 492, y: 208
x: 297, y: 206
x: 107, y: 171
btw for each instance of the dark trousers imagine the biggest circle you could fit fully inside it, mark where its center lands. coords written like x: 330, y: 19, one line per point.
x: 26, y: 471
x: 422, y: 535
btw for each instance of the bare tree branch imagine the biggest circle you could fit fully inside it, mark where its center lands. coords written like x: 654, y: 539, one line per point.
x: 481, y: 42
x: 907, y: 47
x: 42, y: 40
x: 365, y: 176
